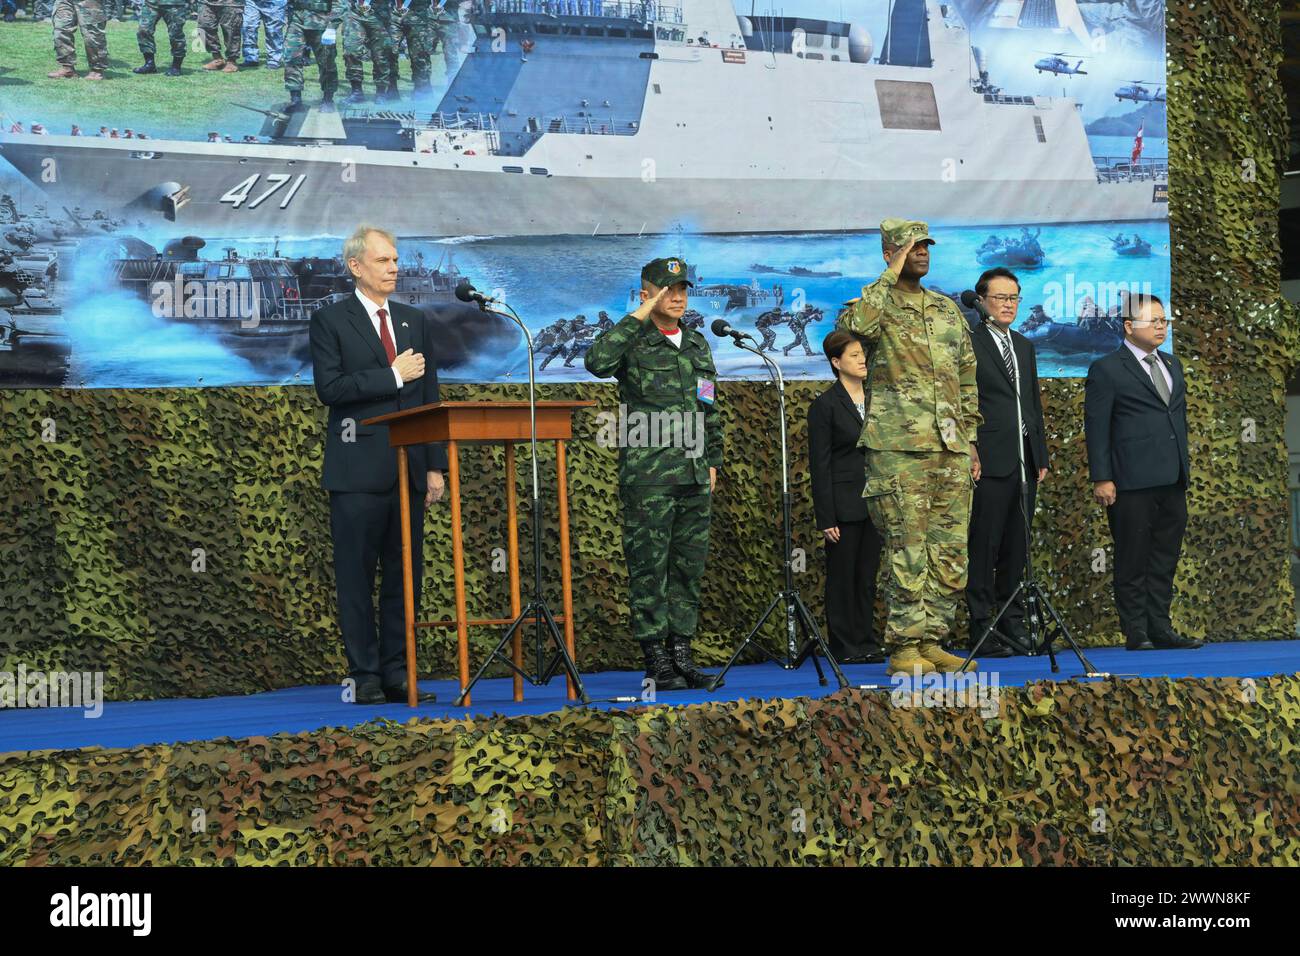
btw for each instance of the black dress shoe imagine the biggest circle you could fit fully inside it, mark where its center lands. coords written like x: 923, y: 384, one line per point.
x: 1139, y: 644
x: 396, y: 694
x: 370, y: 696
x: 1172, y: 641
x: 993, y: 645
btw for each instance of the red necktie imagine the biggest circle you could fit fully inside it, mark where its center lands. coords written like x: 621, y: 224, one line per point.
x: 386, y: 337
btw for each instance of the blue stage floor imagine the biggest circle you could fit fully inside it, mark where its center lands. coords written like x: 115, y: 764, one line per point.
x: 299, y: 709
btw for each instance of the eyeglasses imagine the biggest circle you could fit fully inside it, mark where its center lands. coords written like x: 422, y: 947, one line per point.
x: 1004, y: 299
x: 1143, y: 323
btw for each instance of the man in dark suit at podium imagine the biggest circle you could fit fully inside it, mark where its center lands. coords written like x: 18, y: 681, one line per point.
x: 369, y: 358
x: 1136, y: 424
x: 1007, y: 375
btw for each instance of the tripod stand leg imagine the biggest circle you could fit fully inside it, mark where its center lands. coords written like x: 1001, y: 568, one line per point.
x: 506, y: 638
x: 562, y: 657
x: 717, y: 680
x: 813, y: 642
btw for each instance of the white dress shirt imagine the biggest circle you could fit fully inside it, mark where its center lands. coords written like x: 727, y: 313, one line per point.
x: 372, y: 310
x: 1160, y: 364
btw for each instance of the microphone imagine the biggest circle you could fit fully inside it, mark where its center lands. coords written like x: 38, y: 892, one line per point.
x: 466, y: 292
x: 971, y: 301
x: 722, y: 328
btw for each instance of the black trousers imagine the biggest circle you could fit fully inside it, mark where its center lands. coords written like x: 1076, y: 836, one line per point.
x: 1147, y: 527
x: 996, y: 546
x: 851, y: 567
x: 367, y: 529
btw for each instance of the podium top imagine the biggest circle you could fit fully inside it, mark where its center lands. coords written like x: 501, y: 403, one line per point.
x: 488, y: 422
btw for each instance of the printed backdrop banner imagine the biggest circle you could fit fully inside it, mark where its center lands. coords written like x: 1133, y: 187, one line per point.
x: 180, y: 231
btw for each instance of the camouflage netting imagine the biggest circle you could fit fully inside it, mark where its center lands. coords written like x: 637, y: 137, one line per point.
x: 101, y: 525
x: 1140, y: 772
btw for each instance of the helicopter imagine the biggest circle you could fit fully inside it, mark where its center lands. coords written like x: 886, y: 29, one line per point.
x: 1056, y: 63
x: 1139, y: 93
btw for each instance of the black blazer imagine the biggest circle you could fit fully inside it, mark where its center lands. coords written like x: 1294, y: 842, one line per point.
x: 838, y: 466
x: 996, y: 438
x: 1134, y: 438
x: 354, y: 379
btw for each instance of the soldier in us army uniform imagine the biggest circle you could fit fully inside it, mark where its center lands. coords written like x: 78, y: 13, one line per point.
x: 171, y: 12
x: 308, y: 21
x: 68, y: 15
x: 665, y: 372
x: 366, y: 27
x: 919, y: 434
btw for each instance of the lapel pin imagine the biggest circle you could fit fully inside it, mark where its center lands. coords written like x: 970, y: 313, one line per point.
x: 405, y: 326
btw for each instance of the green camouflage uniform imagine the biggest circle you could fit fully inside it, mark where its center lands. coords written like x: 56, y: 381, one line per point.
x: 308, y: 20
x: 171, y: 12
x: 414, y: 21
x: 664, y: 491
x: 366, y: 36
x: 217, y: 17
x: 922, y: 413
x: 89, y: 16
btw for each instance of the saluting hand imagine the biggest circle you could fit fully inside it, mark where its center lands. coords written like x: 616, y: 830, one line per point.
x: 645, y: 308
x: 409, y: 365
x: 900, y: 257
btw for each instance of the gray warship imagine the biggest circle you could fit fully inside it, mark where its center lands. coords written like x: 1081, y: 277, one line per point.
x: 548, y: 126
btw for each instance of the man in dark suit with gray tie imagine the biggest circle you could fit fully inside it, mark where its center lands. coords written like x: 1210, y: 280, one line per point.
x: 370, y: 356
x: 1136, y: 425
x: 1012, y: 412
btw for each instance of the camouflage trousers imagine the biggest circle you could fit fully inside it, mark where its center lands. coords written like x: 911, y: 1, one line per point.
x: 173, y: 16
x: 89, y: 16
x: 920, y: 503
x: 216, y: 20
x: 366, y: 37
x: 306, y: 30
x: 666, y: 543
x: 418, y: 29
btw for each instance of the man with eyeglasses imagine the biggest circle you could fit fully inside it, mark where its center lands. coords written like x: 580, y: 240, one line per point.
x: 1007, y: 375
x: 1136, y: 424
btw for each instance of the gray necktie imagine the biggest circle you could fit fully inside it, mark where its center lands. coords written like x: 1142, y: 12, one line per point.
x: 1158, y: 378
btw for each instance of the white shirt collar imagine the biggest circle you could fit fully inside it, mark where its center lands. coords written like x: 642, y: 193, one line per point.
x: 1138, y: 353
x: 371, y: 308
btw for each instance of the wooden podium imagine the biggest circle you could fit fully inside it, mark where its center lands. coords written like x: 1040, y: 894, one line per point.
x: 481, y: 423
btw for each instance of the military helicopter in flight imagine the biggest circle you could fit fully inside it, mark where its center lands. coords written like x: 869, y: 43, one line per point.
x: 1057, y: 63
x: 1138, y: 93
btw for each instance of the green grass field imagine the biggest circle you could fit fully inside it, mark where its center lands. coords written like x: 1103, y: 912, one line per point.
x: 186, y: 106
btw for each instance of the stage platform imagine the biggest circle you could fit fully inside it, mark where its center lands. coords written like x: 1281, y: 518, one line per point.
x: 301, y: 710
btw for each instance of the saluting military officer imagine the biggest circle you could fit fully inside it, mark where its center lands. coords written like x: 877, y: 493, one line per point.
x: 919, y: 434
x: 366, y: 26
x: 308, y: 21
x: 668, y: 466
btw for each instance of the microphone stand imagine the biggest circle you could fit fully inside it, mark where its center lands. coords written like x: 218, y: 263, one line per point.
x: 1036, y: 600
x: 797, y: 615
x: 543, y: 619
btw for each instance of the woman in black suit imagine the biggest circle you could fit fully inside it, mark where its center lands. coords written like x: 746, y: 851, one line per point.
x: 838, y: 469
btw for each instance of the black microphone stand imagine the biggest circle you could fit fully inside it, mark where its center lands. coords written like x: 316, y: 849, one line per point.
x: 797, y: 615
x: 1036, y: 600
x: 543, y: 619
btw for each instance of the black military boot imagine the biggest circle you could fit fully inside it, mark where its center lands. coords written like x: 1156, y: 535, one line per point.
x: 146, y: 67
x: 295, y: 101
x: 175, y: 68
x: 659, y: 667
x: 327, y: 102
x: 358, y: 94
x: 680, y: 650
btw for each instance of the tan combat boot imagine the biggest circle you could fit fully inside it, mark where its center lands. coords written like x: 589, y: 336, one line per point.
x: 215, y: 65
x: 230, y: 67
x: 907, y: 661
x: 942, y: 660
x: 62, y: 73
x: 94, y: 75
